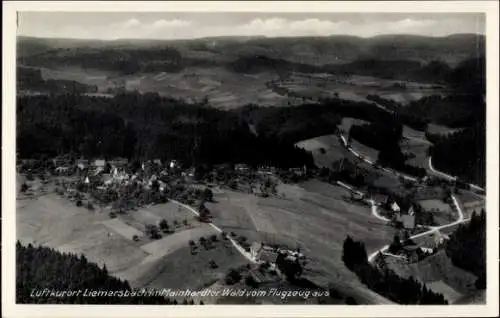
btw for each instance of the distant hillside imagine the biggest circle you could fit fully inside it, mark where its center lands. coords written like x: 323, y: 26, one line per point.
x: 307, y: 50
x: 262, y: 63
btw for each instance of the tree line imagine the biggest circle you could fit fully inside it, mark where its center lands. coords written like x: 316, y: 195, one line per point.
x: 39, y: 268
x: 461, y: 153
x: 142, y: 127
x: 467, y: 247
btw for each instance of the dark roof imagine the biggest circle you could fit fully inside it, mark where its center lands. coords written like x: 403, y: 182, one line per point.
x: 411, y: 248
x: 268, y: 256
x: 381, y: 197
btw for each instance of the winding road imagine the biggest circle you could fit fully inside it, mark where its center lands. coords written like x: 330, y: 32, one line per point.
x: 374, y: 208
x: 450, y: 177
x: 238, y: 247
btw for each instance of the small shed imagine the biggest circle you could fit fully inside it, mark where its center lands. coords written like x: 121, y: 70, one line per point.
x: 99, y: 163
x: 395, y: 207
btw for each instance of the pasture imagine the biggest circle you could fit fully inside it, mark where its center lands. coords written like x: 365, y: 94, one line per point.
x: 471, y: 203
x: 442, y: 212
x: 325, y: 149
x: 435, y: 205
x: 355, y: 87
x: 417, y: 152
x: 347, y: 122
x: 222, y: 88
x: 281, y: 221
x: 226, y: 89
x: 183, y: 269
x: 440, y: 130
x: 56, y: 222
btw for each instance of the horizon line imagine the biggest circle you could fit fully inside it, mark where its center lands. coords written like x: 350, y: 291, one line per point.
x: 251, y: 36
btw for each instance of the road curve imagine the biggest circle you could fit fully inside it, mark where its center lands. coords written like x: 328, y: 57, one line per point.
x: 366, y: 294
x: 459, y: 220
x: 240, y: 249
x: 374, y: 207
x: 450, y: 177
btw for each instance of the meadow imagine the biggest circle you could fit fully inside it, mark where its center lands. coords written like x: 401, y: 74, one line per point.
x: 52, y: 220
x: 281, y: 221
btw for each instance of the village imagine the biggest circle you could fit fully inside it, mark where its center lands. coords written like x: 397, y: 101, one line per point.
x: 118, y: 186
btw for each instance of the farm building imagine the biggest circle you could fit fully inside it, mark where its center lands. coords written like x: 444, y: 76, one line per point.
x: 241, y: 167
x: 298, y: 171
x: 255, y: 250
x: 119, y: 162
x: 395, y: 207
x: 267, y: 256
x: 82, y: 164
x: 358, y: 196
x: 440, y: 239
x: 99, y: 163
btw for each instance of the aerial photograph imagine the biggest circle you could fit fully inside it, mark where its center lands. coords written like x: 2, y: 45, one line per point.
x: 250, y: 158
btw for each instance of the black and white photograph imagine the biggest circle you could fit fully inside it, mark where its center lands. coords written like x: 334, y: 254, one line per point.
x: 180, y: 157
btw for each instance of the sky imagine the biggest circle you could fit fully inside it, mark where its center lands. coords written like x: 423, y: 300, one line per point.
x: 186, y: 25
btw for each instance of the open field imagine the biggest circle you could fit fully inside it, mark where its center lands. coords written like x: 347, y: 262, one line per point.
x: 442, y: 212
x: 53, y: 221
x: 154, y: 214
x: 330, y: 220
x: 471, y: 202
x: 347, y: 122
x: 436, y: 205
x: 170, y: 243
x: 439, y: 129
x: 355, y: 87
x: 365, y: 151
x: 227, y: 89
x: 224, y: 89
x: 181, y: 269
x: 333, y: 150
x: 417, y: 150
x: 438, y: 272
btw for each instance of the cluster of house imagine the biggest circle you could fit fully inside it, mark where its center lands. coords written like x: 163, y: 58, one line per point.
x: 406, y: 218
x: 266, y: 253
x: 113, y: 173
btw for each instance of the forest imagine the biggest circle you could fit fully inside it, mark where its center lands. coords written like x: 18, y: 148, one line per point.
x: 454, y: 110
x: 462, y: 153
x: 147, y: 126
x: 467, y: 247
x: 39, y: 268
